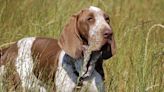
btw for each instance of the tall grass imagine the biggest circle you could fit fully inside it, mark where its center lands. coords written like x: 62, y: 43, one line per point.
x: 138, y: 65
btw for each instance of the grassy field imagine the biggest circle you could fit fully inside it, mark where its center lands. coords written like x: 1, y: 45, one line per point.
x: 138, y: 27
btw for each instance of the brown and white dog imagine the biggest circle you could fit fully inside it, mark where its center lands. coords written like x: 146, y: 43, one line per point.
x: 38, y: 59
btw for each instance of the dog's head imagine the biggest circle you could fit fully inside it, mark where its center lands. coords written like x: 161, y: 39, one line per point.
x: 90, y: 26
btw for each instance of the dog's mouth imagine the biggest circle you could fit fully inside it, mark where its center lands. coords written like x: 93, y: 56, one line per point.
x: 104, y: 44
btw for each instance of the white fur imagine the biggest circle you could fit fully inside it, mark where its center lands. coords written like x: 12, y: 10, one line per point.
x: 2, y: 72
x: 100, y: 23
x: 65, y: 84
x: 94, y: 8
x: 24, y: 64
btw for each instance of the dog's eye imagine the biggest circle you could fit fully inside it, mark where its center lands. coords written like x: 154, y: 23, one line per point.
x: 107, y: 19
x: 90, y: 19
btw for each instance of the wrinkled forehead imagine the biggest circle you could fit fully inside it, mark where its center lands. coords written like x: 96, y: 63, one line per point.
x: 92, y: 10
x: 95, y: 10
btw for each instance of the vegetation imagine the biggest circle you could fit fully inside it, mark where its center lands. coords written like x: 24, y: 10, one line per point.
x: 138, y: 65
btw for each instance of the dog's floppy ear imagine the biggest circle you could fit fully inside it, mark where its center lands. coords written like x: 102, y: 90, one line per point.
x: 109, y: 49
x: 70, y: 40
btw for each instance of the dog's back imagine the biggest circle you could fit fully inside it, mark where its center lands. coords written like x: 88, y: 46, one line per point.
x: 35, y: 55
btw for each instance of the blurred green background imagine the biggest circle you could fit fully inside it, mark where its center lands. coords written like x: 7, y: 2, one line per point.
x: 138, y: 65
